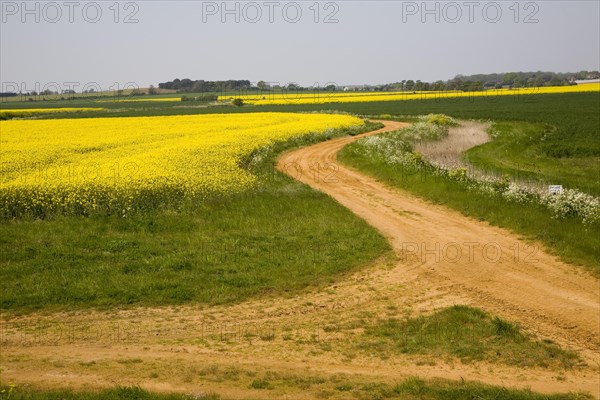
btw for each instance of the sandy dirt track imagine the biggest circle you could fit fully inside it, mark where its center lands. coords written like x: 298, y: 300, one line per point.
x: 444, y: 258
x: 442, y: 248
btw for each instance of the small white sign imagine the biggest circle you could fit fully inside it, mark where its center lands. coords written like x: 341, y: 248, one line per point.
x: 555, y: 189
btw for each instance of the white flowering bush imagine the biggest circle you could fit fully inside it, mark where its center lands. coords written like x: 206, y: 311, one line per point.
x: 485, y: 185
x: 573, y: 203
x: 394, y: 148
x: 517, y: 194
x: 424, y: 131
x: 390, y: 147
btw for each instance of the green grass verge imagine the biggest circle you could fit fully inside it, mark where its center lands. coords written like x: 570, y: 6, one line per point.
x: 416, y: 388
x: 466, y: 333
x: 119, y: 393
x: 336, y: 387
x: 515, y: 151
x: 280, y: 238
x: 568, y: 237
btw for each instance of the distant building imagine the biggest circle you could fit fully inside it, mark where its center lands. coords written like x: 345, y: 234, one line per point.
x: 358, y: 88
x: 583, y: 82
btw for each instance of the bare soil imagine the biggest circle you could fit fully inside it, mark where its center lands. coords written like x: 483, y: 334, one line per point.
x: 448, y: 152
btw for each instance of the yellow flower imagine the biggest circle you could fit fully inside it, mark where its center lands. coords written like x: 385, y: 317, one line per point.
x: 317, y: 97
x: 88, y: 164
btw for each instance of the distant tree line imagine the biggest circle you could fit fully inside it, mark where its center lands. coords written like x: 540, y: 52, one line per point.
x: 491, y: 81
x: 460, y: 82
x: 528, y: 79
x: 202, y: 86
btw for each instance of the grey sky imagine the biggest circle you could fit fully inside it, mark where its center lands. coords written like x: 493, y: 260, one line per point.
x: 372, y: 42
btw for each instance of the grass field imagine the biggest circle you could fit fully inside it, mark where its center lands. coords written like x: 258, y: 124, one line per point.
x: 277, y: 242
x: 534, y: 151
x: 29, y: 112
x: 466, y: 333
x: 409, y: 389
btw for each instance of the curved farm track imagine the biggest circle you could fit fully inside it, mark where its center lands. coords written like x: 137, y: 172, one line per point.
x: 492, y: 266
x: 443, y: 259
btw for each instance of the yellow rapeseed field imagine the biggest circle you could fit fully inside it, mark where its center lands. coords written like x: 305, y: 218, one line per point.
x: 25, y: 112
x: 316, y: 97
x: 99, y: 165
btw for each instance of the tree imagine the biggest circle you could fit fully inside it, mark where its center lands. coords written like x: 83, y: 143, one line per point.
x: 539, y: 81
x: 238, y: 102
x: 519, y: 83
x: 439, y: 86
x: 198, y: 87
x: 455, y: 84
x: 262, y: 85
x: 475, y: 86
x: 152, y: 90
x: 510, y: 78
